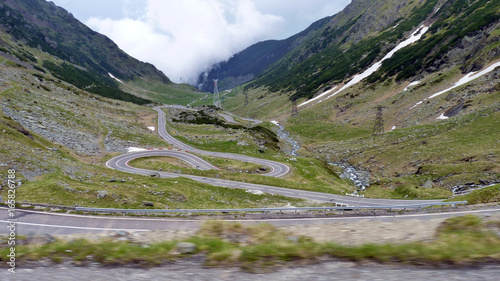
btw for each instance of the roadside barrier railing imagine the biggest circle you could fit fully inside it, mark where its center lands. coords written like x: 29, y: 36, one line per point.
x: 280, y: 210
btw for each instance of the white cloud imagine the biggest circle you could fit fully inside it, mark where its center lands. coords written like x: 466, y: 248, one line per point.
x: 183, y: 38
x: 299, y: 14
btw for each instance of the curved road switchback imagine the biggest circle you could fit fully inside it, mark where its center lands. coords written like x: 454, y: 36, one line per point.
x: 228, y: 118
x: 277, y: 170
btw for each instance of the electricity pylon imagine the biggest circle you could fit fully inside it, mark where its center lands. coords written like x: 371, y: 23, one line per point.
x: 216, y: 94
x: 379, y: 121
x: 295, y: 109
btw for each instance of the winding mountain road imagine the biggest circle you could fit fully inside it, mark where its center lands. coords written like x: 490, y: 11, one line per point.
x: 32, y: 221
x: 277, y: 170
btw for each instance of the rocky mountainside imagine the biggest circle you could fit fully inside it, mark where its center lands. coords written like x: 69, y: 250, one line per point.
x: 85, y: 58
x: 425, y: 73
x: 365, y: 31
x: 359, y: 20
x: 69, y: 99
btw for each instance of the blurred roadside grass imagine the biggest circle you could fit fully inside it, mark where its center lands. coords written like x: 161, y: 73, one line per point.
x: 459, y: 241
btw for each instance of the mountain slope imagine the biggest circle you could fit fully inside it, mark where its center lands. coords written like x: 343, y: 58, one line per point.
x: 323, y: 47
x: 78, y: 55
x: 245, y: 65
x: 439, y: 95
x: 461, y: 32
x: 351, y: 42
x: 52, y: 29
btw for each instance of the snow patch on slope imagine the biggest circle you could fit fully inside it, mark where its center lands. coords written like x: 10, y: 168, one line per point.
x: 112, y: 76
x: 411, y: 85
x: 414, y: 37
x: 442, y: 117
x: 464, y: 80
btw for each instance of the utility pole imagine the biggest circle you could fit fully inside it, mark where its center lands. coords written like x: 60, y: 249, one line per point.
x: 217, y: 102
x: 295, y: 109
x: 379, y: 121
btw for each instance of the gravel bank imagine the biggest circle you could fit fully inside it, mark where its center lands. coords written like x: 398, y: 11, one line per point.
x: 193, y: 270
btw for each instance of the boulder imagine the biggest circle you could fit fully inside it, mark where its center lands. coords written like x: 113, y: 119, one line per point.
x: 67, y: 188
x: 101, y: 194
x: 185, y: 247
x: 148, y: 203
x: 427, y: 184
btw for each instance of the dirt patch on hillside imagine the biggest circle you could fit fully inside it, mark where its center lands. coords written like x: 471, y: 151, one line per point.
x: 147, y: 118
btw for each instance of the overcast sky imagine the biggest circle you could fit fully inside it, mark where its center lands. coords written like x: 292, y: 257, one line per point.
x: 183, y: 38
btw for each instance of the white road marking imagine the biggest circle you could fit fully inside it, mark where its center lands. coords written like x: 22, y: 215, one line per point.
x: 76, y: 227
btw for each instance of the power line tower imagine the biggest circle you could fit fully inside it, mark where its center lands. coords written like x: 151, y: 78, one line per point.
x: 216, y: 94
x: 246, y: 99
x: 295, y: 109
x: 379, y: 121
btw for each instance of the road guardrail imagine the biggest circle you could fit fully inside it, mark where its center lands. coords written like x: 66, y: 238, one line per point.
x: 269, y: 210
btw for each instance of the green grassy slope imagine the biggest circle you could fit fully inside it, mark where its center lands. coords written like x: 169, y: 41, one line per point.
x: 461, y: 150
x: 57, y: 138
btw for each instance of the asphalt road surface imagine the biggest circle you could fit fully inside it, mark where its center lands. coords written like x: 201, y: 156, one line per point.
x: 228, y: 118
x: 39, y: 222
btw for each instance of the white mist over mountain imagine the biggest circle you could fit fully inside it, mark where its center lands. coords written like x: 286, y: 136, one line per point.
x: 184, y: 38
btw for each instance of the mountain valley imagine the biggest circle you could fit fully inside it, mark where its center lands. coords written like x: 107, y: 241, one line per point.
x: 71, y: 99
